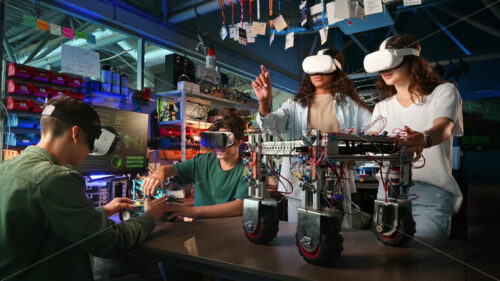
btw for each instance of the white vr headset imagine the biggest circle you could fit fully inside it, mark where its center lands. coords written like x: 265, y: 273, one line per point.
x: 100, y: 139
x: 320, y: 64
x: 387, y: 59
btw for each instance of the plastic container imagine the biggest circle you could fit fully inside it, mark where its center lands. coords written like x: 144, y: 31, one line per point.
x: 115, y: 76
x: 210, y: 59
x: 17, y: 121
x: 42, y: 75
x: 106, y: 74
x: 106, y: 87
x: 74, y: 81
x: 57, y: 93
x: 14, y: 87
x: 124, y: 84
x: 14, y: 70
x: 15, y: 104
x: 37, y: 108
x: 77, y: 95
x: 58, y: 79
x: 42, y: 91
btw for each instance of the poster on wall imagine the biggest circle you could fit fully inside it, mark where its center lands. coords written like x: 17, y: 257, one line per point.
x: 80, y: 62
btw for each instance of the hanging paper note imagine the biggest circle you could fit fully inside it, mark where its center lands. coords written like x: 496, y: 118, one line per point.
x: 80, y: 61
x: 341, y: 9
x: 259, y: 28
x: 359, y: 12
x: 372, y: 6
x: 242, y: 36
x: 412, y: 2
x: 323, y: 33
x: 303, y: 12
x: 330, y: 13
x: 279, y: 23
x: 233, y: 32
x: 91, y: 39
x: 271, y: 38
x: 29, y: 21
x: 55, y: 29
x: 317, y: 14
x: 42, y: 25
x: 80, y: 35
x: 289, y: 40
x: 250, y: 35
x: 68, y: 32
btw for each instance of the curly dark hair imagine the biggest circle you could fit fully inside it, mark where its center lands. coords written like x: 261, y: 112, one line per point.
x: 342, y: 84
x: 422, y: 79
x: 232, y: 122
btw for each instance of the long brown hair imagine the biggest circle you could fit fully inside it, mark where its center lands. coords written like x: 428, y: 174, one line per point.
x: 341, y: 84
x: 422, y: 79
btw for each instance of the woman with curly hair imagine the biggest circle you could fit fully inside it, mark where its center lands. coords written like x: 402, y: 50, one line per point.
x: 426, y: 113
x: 326, y: 101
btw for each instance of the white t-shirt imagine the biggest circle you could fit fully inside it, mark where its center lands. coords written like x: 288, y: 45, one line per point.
x: 444, y: 101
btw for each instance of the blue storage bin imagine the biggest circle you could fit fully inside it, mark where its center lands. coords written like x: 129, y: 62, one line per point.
x: 17, y: 121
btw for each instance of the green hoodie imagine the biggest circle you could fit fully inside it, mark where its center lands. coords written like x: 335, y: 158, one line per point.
x: 45, y: 216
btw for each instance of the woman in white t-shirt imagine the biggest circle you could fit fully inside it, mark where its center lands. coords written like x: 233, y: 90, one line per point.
x: 326, y: 101
x: 427, y: 113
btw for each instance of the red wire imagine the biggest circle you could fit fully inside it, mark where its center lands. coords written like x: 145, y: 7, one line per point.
x: 232, y: 11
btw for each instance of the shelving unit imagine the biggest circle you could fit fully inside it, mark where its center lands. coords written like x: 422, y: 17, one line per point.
x: 22, y: 90
x: 183, y: 123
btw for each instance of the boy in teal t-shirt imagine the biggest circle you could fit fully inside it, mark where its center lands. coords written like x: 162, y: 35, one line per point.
x: 220, y: 185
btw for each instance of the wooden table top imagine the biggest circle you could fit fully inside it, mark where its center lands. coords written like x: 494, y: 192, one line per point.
x: 221, y: 242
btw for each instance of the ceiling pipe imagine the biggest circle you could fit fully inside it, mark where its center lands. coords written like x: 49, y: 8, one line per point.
x: 471, y: 21
x: 494, y: 9
x: 447, y: 32
x: 198, y: 10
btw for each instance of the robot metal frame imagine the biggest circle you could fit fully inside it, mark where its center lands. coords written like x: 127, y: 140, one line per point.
x: 319, y: 156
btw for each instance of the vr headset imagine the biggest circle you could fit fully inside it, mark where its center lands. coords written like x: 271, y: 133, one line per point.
x: 387, y: 59
x: 320, y: 64
x: 100, y: 139
x: 217, y: 139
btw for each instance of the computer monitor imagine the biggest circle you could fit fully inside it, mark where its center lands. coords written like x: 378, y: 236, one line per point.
x: 129, y: 154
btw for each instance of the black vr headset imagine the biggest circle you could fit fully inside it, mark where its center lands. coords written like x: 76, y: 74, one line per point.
x: 217, y: 139
x: 100, y: 139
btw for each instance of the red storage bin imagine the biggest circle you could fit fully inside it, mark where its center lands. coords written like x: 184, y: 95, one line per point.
x: 74, y: 81
x: 15, y: 104
x: 78, y: 95
x: 19, y: 70
x: 56, y: 93
x: 42, y: 75
x: 58, y: 79
x: 14, y: 87
x: 37, y: 108
x: 42, y: 91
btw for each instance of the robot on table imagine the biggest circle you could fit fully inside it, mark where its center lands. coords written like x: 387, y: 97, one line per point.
x: 318, y: 158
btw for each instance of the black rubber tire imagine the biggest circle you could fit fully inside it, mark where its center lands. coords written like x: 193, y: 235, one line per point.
x: 328, y: 249
x: 398, y: 239
x: 267, y: 227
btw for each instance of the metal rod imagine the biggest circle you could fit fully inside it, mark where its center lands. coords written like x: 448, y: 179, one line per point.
x: 452, y: 37
x: 494, y: 9
x: 38, y: 48
x: 360, y: 45
x: 473, y: 22
x: 140, y: 64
